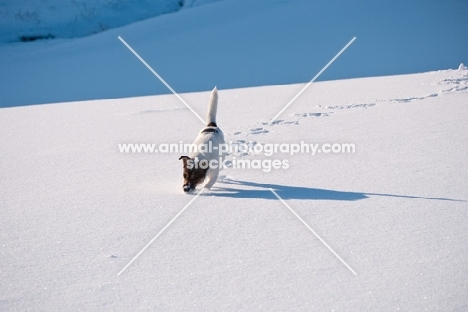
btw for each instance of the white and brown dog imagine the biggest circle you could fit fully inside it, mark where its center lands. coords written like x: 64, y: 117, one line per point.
x: 203, y: 164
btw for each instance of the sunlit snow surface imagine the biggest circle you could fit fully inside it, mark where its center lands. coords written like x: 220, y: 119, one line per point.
x: 75, y: 211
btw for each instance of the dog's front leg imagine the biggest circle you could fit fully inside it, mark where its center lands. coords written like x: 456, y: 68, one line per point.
x: 212, y: 177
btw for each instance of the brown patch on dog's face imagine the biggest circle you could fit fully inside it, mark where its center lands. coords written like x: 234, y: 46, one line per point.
x: 193, y: 175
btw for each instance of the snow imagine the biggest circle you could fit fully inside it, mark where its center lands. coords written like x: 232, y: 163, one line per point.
x: 232, y: 44
x: 24, y: 20
x: 75, y: 211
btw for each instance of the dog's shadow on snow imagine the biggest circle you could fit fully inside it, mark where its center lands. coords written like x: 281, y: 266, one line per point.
x: 262, y: 190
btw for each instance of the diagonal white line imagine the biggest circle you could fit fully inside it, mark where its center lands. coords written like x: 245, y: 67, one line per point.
x: 160, y: 232
x: 313, y: 232
x: 161, y: 79
x: 313, y: 79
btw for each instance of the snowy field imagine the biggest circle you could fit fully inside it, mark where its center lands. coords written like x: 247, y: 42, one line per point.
x: 75, y: 210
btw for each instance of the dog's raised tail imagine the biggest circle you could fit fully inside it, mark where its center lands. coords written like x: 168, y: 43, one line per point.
x: 212, y: 108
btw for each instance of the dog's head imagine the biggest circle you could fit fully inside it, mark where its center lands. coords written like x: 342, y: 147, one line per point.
x: 193, y: 174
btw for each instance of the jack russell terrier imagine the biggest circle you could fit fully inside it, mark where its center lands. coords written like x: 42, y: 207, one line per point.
x: 203, y: 164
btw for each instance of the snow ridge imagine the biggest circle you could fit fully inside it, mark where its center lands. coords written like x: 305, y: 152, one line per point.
x: 47, y: 19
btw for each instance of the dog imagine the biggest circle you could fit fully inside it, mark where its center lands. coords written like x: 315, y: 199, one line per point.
x: 203, y: 164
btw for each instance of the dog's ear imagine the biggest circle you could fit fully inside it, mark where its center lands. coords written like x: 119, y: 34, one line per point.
x: 184, y: 159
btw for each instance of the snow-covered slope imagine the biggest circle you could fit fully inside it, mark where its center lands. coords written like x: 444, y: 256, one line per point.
x: 28, y: 20
x: 235, y: 43
x: 75, y: 211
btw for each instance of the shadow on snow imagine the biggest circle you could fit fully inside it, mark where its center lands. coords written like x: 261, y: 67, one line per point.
x: 261, y: 190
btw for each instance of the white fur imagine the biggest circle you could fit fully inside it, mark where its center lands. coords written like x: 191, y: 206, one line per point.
x: 214, y: 139
x: 213, y: 106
